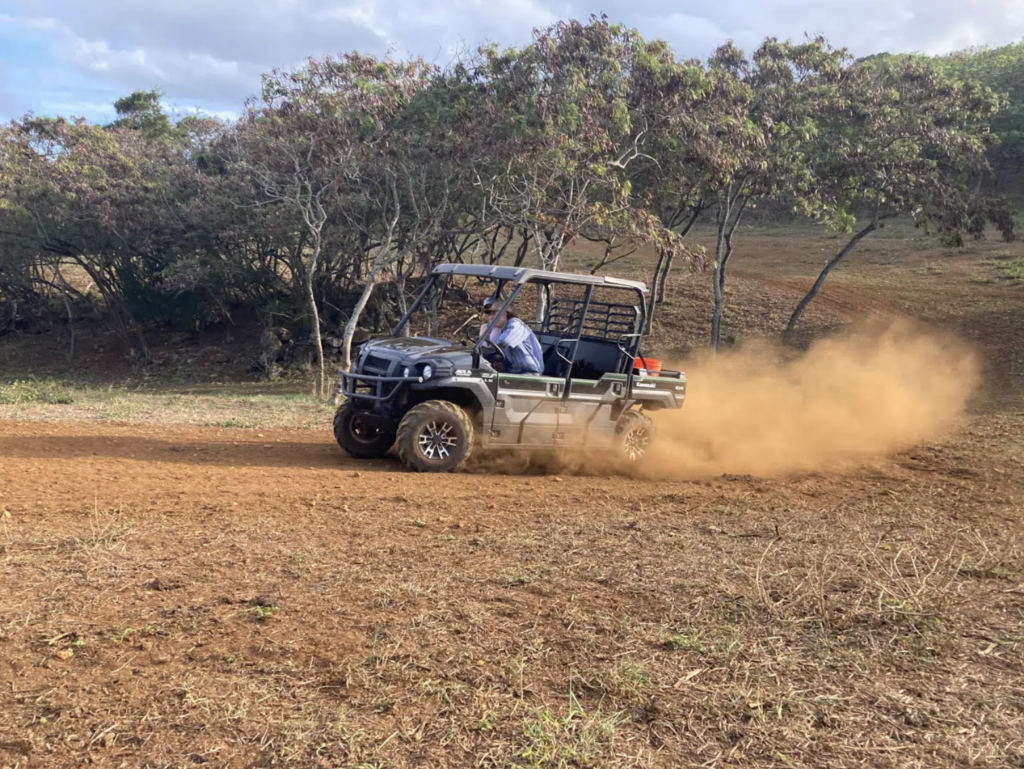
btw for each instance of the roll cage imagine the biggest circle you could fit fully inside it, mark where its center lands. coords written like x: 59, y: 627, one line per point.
x: 570, y: 320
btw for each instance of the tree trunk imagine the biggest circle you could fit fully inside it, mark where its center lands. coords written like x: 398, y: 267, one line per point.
x: 695, y: 211
x: 541, y: 303
x: 142, y: 354
x: 71, y: 329
x: 718, y: 281
x: 652, y: 300
x: 718, y: 276
x: 403, y: 303
x: 71, y: 315
x: 664, y: 277
x: 604, y: 260
x: 524, y: 249
x: 314, y: 315
x: 547, y: 263
x: 723, y: 250
x: 432, y: 320
x: 357, y: 313
x: 787, y: 336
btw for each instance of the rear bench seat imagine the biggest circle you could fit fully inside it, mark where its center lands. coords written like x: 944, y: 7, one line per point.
x: 594, y: 357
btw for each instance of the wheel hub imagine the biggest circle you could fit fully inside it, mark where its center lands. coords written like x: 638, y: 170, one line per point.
x: 436, y: 440
x: 363, y: 431
x: 636, y: 443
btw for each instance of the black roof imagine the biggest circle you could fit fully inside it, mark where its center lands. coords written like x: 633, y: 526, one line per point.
x: 524, y: 275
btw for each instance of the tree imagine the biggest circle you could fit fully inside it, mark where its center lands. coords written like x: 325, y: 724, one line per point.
x: 790, y: 85
x: 697, y: 120
x: 313, y: 143
x: 112, y: 201
x: 1002, y: 70
x: 564, y: 137
x: 903, y: 139
x: 141, y: 111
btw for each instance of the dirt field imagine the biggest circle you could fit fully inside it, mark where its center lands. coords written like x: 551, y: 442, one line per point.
x: 174, y: 595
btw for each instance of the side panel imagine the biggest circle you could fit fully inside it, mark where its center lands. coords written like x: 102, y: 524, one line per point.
x: 526, y: 411
x: 590, y: 410
x: 666, y: 392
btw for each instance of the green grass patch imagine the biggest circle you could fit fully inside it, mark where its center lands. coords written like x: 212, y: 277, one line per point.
x: 264, y: 613
x: 23, y: 391
x: 1011, y: 270
x: 233, y: 423
x: 682, y: 642
x: 549, y: 740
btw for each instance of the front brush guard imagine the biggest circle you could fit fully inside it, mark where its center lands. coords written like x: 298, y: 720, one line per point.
x: 371, y: 387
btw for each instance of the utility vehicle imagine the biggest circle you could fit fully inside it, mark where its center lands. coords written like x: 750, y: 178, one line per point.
x: 435, y: 400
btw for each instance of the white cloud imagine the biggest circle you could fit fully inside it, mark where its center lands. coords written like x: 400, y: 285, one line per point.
x: 212, y: 52
x: 29, y: 22
x: 81, y: 108
x: 6, y: 97
x: 98, y: 57
x: 188, y: 109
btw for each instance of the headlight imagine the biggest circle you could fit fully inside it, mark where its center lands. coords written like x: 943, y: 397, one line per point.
x: 405, y: 371
x: 428, y: 371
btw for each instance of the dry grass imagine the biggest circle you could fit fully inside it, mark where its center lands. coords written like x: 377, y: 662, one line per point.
x: 818, y: 621
x: 50, y: 400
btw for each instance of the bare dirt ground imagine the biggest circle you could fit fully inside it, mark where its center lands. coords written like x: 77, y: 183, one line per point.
x: 174, y: 595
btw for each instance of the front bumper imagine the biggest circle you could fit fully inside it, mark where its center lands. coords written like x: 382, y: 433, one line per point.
x: 372, y: 387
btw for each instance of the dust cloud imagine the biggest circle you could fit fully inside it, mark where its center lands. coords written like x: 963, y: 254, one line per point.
x: 845, y: 401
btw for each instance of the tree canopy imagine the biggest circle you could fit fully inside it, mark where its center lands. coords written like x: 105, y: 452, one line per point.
x: 347, y: 179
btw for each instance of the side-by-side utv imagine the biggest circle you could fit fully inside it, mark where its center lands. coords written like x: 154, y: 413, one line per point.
x: 436, y: 400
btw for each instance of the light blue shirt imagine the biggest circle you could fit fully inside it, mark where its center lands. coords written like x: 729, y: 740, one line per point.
x: 522, y: 350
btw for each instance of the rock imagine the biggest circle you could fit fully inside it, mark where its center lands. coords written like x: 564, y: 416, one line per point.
x: 270, y: 351
x: 333, y: 341
x: 270, y: 342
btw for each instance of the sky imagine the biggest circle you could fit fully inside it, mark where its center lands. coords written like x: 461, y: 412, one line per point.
x: 76, y: 57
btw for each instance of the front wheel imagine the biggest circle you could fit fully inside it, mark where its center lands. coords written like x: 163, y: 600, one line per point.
x: 634, y: 435
x: 358, y: 437
x: 435, y: 437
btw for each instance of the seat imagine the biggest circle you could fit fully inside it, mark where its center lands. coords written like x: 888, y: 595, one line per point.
x: 594, y: 357
x: 554, y: 366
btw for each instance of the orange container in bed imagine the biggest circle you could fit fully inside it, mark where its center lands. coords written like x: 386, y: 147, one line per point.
x: 653, y: 365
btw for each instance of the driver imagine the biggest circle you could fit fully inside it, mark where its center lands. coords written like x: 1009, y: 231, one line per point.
x: 523, y: 354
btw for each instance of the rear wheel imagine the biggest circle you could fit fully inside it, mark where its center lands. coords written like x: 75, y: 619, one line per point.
x: 634, y: 435
x: 435, y: 437
x: 354, y: 434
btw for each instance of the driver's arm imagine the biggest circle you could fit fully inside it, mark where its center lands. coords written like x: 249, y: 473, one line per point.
x: 487, y: 343
x: 515, y: 334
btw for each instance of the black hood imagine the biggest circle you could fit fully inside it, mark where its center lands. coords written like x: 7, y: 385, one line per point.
x: 414, y: 345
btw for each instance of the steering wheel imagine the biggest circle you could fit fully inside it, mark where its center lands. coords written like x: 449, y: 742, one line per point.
x: 489, y: 349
